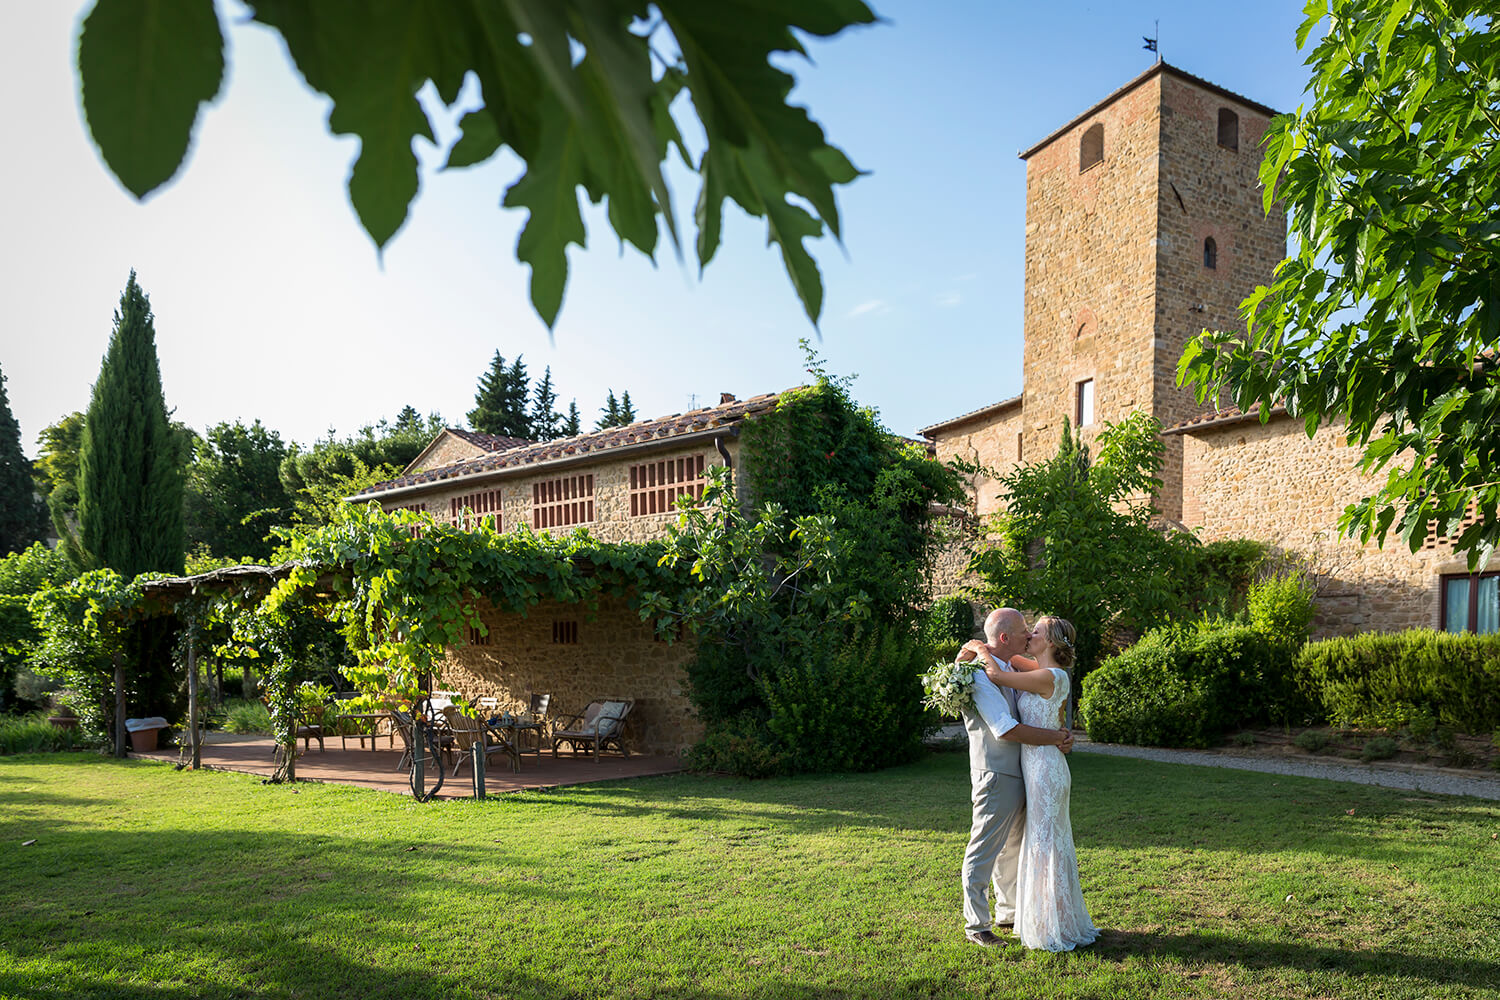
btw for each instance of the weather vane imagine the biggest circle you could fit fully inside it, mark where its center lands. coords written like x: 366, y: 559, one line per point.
x: 1152, y: 44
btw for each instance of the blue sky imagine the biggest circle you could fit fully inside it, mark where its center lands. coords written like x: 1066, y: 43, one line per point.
x: 271, y: 302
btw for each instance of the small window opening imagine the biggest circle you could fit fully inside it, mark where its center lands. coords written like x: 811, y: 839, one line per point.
x: 1084, y: 410
x: 565, y: 633
x: 1210, y: 254
x: 1091, y: 149
x: 1229, y: 129
x: 1018, y: 447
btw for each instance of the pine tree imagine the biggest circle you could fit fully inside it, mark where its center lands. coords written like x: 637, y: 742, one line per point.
x: 489, y: 400
x: 22, y: 516
x: 627, y: 410
x: 571, y: 426
x: 517, y: 400
x: 611, y: 411
x: 408, y: 419
x: 130, y: 463
x: 545, y: 420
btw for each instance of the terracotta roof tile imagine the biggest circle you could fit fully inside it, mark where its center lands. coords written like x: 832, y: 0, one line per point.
x: 1232, y: 415
x: 724, y: 414
x: 490, y: 442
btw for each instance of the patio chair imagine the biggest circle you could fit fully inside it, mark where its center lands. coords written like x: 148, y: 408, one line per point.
x: 402, y: 721
x: 469, y: 730
x: 534, y: 722
x: 599, y: 725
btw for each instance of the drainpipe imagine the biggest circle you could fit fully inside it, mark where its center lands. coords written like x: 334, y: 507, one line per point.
x: 728, y: 464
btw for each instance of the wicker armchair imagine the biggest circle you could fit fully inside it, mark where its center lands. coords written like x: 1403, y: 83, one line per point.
x: 469, y: 730
x: 598, y: 726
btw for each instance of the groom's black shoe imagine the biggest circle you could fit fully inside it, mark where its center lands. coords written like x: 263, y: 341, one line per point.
x: 985, y: 939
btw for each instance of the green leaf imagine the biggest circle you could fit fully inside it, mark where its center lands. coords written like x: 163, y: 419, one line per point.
x: 549, y: 190
x: 480, y: 140
x: 145, y: 67
x: 1393, y: 18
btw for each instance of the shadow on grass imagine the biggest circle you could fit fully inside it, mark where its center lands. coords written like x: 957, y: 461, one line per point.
x: 1392, y: 966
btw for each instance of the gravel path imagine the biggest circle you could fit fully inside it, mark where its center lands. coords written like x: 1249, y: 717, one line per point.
x: 1434, y: 780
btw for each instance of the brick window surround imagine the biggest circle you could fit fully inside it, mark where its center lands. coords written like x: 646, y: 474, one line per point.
x: 1083, y: 409
x: 558, y: 503
x: 655, y: 486
x: 1470, y: 602
x: 469, y: 512
x: 1229, y: 129
x: 1091, y: 147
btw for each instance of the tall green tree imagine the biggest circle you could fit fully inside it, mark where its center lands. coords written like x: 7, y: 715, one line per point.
x: 235, y: 495
x: 130, y: 460
x: 317, y: 479
x: 545, y: 420
x: 23, y: 518
x: 616, y: 412
x: 56, y: 471
x: 502, y: 399
x: 1387, y: 315
x: 584, y: 92
x: 571, y: 426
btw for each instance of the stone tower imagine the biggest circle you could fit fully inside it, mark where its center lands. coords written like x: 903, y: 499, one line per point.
x: 1144, y: 225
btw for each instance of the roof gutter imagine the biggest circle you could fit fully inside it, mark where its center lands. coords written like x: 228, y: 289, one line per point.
x: 588, y: 458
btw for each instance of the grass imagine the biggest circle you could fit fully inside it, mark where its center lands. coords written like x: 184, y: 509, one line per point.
x: 148, y: 882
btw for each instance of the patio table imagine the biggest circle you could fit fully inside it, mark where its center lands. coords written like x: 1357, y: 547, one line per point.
x: 372, y: 720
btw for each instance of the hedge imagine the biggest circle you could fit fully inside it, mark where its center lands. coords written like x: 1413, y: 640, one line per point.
x: 1384, y: 681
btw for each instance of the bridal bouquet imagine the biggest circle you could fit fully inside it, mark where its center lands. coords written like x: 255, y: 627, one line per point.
x: 949, y: 687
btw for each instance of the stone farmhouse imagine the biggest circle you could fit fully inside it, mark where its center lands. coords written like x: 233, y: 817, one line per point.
x: 621, y: 484
x: 1144, y: 225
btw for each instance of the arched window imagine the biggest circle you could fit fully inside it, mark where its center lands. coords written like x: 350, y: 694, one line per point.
x: 1210, y: 254
x: 1091, y: 149
x: 1229, y: 129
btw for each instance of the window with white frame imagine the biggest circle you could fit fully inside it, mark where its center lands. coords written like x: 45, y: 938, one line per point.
x: 1083, y: 409
x: 1471, y: 603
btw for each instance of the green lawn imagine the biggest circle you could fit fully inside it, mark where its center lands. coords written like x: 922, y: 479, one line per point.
x: 145, y: 882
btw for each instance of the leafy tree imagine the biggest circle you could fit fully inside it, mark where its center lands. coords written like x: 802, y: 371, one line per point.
x: 1387, y: 315
x: 500, y: 404
x: 545, y: 420
x: 318, y: 478
x: 21, y: 575
x: 22, y: 516
x: 582, y: 91
x: 570, y: 425
x: 130, y: 460
x: 1076, y: 538
x: 234, y: 491
x: 56, y: 470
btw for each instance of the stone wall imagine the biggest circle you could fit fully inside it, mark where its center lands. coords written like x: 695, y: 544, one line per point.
x: 992, y: 440
x: 612, y: 519
x: 1273, y: 483
x: 446, y: 450
x: 1205, y: 191
x: 615, y: 657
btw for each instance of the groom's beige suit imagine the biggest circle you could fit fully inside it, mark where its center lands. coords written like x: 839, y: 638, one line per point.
x: 999, y: 797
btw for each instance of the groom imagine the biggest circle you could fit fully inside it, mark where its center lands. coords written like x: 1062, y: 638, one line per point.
x: 998, y: 794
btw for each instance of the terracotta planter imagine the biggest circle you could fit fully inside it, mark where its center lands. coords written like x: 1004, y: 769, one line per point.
x: 143, y: 740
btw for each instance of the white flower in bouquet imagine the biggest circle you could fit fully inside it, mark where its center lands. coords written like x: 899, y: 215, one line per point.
x: 949, y: 687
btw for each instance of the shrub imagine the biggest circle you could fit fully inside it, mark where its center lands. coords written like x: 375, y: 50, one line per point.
x: 246, y: 717
x: 1244, y: 739
x: 1390, y: 681
x: 1311, y: 740
x: 1186, y: 686
x: 742, y: 746
x: 1462, y: 756
x: 34, y: 734
x: 1281, y: 606
x: 1380, y: 748
x: 1421, y: 725
x: 949, y: 620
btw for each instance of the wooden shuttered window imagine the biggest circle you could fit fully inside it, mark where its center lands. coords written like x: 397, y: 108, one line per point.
x: 655, y: 486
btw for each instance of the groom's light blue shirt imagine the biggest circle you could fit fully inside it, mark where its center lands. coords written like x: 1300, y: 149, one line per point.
x: 991, y: 705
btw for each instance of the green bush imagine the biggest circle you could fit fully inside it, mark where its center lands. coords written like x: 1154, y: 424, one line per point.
x: 246, y: 717
x: 1380, y: 748
x: 34, y: 734
x: 1312, y: 740
x: 1281, y: 606
x: 1186, y: 686
x: 1411, y: 679
x: 740, y: 746
x: 949, y: 620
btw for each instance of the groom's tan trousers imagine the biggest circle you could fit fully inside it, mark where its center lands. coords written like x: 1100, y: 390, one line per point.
x: 994, y: 847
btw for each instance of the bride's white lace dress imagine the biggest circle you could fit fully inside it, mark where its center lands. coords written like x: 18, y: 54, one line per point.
x: 1050, y: 913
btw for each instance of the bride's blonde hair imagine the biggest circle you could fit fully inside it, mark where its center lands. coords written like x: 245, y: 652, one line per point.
x: 1063, y: 636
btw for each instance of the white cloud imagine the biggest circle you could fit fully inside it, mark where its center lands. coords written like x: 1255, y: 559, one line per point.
x: 949, y: 299
x: 875, y: 306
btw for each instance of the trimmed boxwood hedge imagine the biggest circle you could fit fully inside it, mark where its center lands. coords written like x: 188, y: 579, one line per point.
x: 1386, y: 680
x: 1185, y: 686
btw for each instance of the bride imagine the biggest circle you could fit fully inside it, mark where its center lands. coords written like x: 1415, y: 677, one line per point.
x: 1050, y: 912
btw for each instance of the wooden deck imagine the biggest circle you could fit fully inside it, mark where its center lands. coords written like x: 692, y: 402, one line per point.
x: 377, y: 768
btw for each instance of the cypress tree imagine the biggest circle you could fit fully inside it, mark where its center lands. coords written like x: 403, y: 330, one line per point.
x: 544, y: 418
x: 130, y: 462
x: 22, y: 516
